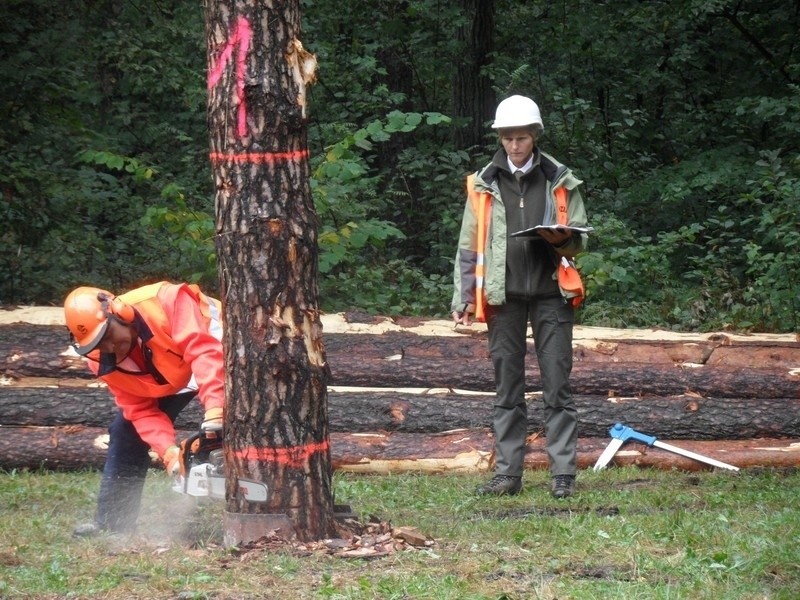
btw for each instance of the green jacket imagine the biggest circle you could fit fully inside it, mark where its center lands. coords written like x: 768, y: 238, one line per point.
x: 556, y: 175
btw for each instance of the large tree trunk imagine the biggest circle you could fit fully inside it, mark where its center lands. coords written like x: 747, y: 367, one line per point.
x: 276, y: 417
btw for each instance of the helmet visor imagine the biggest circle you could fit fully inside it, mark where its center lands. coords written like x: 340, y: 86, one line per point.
x: 90, y: 341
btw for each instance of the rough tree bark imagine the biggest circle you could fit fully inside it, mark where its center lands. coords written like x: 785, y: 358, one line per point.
x: 466, y: 450
x: 361, y: 410
x: 276, y: 418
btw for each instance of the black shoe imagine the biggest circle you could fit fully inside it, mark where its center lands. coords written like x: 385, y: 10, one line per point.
x: 501, y: 485
x: 563, y: 486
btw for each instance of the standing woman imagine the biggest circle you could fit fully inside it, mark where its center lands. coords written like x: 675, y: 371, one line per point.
x: 512, y: 281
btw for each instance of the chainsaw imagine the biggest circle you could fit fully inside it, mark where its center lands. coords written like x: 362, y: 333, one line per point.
x: 202, y: 470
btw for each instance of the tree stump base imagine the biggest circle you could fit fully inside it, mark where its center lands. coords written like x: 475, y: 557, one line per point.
x: 241, y: 529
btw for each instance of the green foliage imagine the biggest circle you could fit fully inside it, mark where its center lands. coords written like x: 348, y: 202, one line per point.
x: 189, y: 235
x: 95, y: 107
x: 751, y: 247
x: 688, y: 148
x: 359, y: 254
x: 733, y: 264
x: 630, y: 281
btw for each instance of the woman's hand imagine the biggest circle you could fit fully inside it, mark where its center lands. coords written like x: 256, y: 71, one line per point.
x: 461, y: 318
x: 557, y: 236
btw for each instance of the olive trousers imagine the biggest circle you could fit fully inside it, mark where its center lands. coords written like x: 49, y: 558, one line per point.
x: 551, y: 320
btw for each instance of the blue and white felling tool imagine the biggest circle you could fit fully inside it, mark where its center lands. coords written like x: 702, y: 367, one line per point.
x: 621, y: 433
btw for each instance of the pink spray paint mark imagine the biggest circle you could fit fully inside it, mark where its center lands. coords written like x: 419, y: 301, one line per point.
x: 240, y: 42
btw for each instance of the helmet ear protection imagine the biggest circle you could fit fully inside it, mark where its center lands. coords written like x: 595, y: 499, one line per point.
x: 114, y: 307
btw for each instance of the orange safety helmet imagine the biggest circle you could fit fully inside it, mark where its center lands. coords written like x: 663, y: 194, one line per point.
x: 87, y: 310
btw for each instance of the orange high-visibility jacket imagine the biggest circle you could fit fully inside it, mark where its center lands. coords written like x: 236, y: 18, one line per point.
x: 180, y: 330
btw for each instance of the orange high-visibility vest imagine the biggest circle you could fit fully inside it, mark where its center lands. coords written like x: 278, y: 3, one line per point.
x: 481, y: 203
x: 169, y: 372
x: 167, y: 358
x: 569, y: 280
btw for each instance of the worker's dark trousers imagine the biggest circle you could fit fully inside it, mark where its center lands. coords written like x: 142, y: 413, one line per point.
x: 551, y: 319
x: 126, y: 466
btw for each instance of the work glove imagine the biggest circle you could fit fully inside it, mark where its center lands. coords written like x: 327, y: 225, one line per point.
x: 172, y: 460
x: 212, y: 420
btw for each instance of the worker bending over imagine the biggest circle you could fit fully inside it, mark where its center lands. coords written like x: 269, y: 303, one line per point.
x: 156, y: 348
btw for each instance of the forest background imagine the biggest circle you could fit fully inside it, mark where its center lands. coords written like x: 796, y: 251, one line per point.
x: 682, y: 118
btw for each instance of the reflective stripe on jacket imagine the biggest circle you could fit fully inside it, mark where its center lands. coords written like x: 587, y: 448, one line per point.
x: 569, y: 280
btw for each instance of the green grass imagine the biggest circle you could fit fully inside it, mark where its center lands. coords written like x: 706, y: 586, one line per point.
x: 628, y: 533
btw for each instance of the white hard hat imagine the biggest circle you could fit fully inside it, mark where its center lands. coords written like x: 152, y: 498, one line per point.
x: 517, y: 111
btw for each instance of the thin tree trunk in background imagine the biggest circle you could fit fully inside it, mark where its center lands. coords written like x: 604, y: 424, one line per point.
x: 276, y: 423
x: 473, y: 96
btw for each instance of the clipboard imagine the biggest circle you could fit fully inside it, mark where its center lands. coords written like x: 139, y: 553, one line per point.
x: 532, y: 232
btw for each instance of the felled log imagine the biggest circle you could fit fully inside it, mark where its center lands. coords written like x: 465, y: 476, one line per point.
x: 587, y: 378
x: 675, y: 386
x: 74, y: 448
x: 70, y: 402
x: 643, y: 347
x: 423, y: 361
x: 471, y: 451
x: 382, y: 337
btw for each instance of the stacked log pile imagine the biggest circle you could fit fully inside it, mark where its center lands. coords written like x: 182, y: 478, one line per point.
x: 416, y: 394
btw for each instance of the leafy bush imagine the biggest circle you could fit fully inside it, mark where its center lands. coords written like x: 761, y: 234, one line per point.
x: 360, y: 261
x: 733, y: 265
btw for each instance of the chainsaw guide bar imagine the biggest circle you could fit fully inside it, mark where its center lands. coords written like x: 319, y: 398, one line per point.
x: 202, y: 473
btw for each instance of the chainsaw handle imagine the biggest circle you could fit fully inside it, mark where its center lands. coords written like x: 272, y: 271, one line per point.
x: 185, y: 457
x: 625, y: 433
